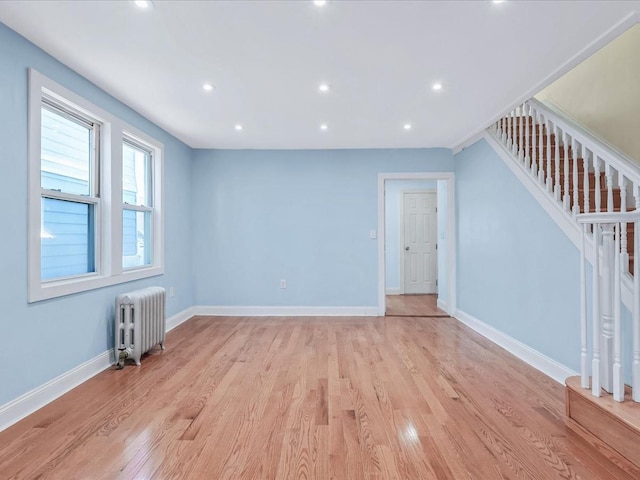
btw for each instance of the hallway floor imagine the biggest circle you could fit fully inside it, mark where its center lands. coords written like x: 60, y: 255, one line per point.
x: 413, y: 306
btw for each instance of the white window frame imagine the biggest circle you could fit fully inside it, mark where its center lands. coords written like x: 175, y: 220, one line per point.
x: 108, y: 235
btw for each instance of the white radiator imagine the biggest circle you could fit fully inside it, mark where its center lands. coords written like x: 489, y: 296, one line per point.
x: 140, y: 323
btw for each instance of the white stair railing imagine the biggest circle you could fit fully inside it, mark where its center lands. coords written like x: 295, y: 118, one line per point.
x: 593, y: 185
x: 607, y: 356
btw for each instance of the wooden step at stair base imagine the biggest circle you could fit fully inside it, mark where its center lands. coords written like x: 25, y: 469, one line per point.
x: 615, y: 424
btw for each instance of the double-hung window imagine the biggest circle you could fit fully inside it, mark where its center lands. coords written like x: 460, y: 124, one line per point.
x: 137, y: 204
x: 95, y: 195
x: 70, y: 196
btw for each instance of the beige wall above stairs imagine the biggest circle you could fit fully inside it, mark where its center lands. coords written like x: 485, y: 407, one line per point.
x: 603, y: 93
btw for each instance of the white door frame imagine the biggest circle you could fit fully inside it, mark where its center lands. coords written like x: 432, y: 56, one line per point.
x: 451, y: 233
x: 401, y: 254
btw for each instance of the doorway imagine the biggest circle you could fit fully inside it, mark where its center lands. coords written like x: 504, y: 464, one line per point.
x: 419, y: 281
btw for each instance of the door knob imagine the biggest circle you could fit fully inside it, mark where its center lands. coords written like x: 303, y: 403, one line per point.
x: 406, y: 248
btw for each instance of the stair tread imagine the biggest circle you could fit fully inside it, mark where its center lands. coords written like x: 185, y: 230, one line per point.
x: 627, y: 411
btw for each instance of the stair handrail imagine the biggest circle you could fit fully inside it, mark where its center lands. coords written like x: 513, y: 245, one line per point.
x: 621, y: 162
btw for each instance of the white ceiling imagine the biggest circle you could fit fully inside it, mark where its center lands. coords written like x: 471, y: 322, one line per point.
x: 267, y: 58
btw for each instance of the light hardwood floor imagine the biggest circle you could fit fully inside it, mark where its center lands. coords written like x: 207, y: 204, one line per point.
x: 311, y: 398
x: 413, y: 306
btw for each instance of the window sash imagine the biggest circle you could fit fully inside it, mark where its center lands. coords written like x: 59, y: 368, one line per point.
x: 66, y: 111
x: 149, y: 176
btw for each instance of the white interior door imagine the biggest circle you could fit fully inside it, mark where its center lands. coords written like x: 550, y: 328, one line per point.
x: 420, y: 237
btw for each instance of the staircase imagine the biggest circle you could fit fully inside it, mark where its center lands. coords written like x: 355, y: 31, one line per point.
x: 597, y: 191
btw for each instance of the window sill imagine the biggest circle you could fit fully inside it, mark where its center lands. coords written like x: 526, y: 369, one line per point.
x: 54, y: 289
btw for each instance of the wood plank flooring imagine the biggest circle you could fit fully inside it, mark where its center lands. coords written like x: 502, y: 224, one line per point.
x: 311, y: 398
x: 413, y: 306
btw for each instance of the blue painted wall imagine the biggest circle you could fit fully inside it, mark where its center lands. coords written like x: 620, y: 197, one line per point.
x: 303, y: 216
x: 517, y: 271
x: 393, y: 223
x: 43, y: 340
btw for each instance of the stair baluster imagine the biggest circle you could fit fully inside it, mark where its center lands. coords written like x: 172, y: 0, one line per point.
x: 566, y: 199
x: 585, y: 175
x: 521, y: 143
x: 596, y: 172
x: 576, y: 192
x: 618, y: 381
x: 596, y: 325
x: 556, y: 188
x: 527, y: 137
x: 534, y: 150
x: 609, y: 177
x: 624, y: 252
x: 549, y: 179
x: 541, y: 148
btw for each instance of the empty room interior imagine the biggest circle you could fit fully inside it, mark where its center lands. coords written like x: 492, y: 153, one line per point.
x: 320, y: 239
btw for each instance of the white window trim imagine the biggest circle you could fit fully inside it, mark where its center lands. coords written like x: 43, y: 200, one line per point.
x: 109, y: 269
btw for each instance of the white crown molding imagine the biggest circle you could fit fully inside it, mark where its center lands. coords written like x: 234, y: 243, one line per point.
x: 539, y: 361
x: 284, y: 311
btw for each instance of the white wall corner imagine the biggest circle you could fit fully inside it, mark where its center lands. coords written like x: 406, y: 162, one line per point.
x: 37, y: 398
x: 179, y: 318
x: 284, y: 311
x: 537, y: 360
x: 442, y: 305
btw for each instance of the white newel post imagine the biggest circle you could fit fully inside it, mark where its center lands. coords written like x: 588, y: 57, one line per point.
x: 584, y: 368
x: 606, y: 289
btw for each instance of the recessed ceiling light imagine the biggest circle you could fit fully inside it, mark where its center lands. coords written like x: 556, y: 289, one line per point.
x: 324, y: 87
x: 324, y: 126
x: 497, y: 1
x: 407, y: 126
x: 319, y: 3
x: 238, y: 127
x: 144, y: 4
x: 207, y: 87
x: 436, y: 86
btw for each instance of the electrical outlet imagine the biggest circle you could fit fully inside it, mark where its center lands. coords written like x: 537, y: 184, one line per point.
x: 283, y: 284
x: 171, y: 292
x: 373, y: 234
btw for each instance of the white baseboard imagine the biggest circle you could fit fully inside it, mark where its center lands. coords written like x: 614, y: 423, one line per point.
x: 546, y: 365
x: 442, y: 305
x: 180, y: 317
x: 232, y: 311
x: 26, y: 404
x: 37, y: 398
x: 393, y: 291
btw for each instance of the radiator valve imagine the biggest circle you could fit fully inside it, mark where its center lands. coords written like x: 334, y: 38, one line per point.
x: 122, y: 356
